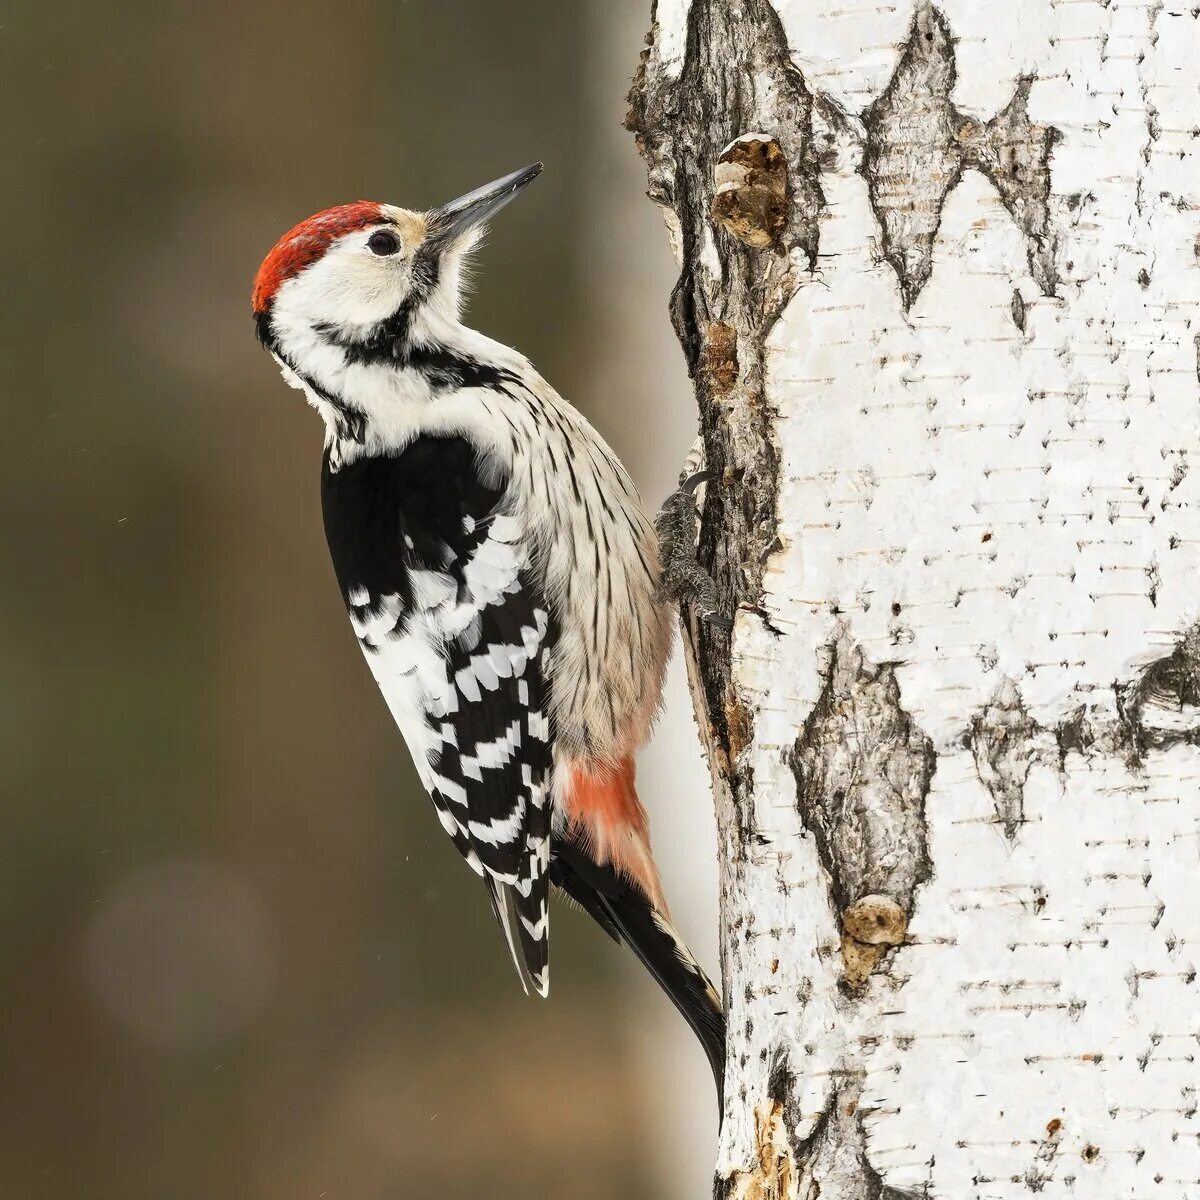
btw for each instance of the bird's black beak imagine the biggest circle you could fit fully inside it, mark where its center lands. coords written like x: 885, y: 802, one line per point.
x: 449, y: 222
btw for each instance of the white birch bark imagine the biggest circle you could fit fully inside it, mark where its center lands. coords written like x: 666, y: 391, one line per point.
x: 940, y: 297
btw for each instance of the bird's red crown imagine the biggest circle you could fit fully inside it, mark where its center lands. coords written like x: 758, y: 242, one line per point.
x: 303, y: 244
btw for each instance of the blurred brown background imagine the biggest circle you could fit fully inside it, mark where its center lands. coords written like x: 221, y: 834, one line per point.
x: 240, y: 958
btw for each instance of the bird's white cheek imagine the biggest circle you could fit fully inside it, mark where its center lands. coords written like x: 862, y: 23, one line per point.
x: 347, y: 291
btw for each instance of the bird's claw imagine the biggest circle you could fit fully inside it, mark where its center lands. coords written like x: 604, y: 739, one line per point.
x: 683, y: 579
x: 693, y: 481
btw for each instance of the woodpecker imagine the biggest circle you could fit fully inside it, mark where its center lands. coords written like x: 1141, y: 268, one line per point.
x: 499, y: 572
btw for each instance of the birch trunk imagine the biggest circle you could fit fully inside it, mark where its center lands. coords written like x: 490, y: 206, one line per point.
x: 940, y: 300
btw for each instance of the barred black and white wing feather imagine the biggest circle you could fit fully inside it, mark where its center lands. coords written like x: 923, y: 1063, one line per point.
x: 443, y: 597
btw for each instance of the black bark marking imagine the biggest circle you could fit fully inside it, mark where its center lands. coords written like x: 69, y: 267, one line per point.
x: 1074, y: 735
x: 838, y: 1145
x: 1004, y: 741
x: 1156, y: 710
x: 918, y: 145
x: 1018, y: 310
x: 912, y: 159
x: 1014, y: 154
x: 862, y: 770
x: 777, y: 1151
x: 1161, y: 708
x: 1041, y: 1170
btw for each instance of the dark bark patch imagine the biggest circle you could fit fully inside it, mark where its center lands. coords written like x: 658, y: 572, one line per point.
x: 773, y: 1172
x: 720, y: 357
x: 918, y: 145
x: 836, y: 1150
x: 1041, y: 1170
x: 1004, y: 742
x: 1156, y: 710
x: 1161, y: 708
x: 737, y: 78
x: 912, y: 159
x: 1014, y: 154
x: 1018, y: 309
x: 862, y: 770
x: 1074, y: 735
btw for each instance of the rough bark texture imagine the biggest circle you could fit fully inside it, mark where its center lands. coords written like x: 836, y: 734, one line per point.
x: 940, y: 300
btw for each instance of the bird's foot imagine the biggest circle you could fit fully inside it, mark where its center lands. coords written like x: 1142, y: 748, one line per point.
x: 683, y: 579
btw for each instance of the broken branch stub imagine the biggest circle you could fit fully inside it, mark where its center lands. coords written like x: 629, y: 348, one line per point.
x: 751, y: 198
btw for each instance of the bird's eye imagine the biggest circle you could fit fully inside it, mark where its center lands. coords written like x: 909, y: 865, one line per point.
x: 383, y: 242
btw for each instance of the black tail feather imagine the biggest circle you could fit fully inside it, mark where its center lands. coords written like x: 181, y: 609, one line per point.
x: 621, y: 909
x: 533, y: 931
